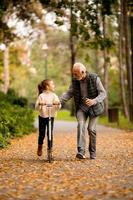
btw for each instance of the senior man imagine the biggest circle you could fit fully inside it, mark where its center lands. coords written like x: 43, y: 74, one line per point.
x: 88, y: 93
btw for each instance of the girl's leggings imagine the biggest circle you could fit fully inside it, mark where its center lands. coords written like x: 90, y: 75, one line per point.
x: 43, y: 126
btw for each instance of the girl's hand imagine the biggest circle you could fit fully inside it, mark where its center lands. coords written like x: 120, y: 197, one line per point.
x: 42, y: 103
x: 56, y: 103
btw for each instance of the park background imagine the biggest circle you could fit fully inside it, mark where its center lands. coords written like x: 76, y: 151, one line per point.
x: 43, y: 39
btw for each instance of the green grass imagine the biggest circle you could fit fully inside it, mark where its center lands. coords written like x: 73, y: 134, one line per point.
x: 123, y: 122
x: 65, y: 115
x: 61, y: 115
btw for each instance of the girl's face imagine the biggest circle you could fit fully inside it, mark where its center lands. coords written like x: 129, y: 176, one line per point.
x: 51, y: 86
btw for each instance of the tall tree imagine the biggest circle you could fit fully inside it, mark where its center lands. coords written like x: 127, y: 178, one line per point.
x: 97, y: 50
x: 6, y: 70
x: 106, y: 10
x: 72, y: 43
x: 6, y: 36
x: 23, y: 11
x: 131, y: 105
x: 105, y: 65
x: 127, y: 52
x: 121, y: 65
x: 130, y: 15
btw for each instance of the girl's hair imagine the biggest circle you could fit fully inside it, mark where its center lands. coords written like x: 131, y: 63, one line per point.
x: 43, y: 85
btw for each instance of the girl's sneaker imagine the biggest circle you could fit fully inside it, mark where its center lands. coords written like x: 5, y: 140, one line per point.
x: 39, y: 150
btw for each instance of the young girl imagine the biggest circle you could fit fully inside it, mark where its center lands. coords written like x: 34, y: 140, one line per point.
x: 46, y: 96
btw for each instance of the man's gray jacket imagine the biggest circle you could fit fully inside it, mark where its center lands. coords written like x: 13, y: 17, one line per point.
x: 92, y: 88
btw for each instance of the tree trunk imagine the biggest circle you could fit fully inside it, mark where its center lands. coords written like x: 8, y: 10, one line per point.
x: 96, y: 61
x: 72, y: 50
x: 105, y: 66
x: 6, y: 69
x: 73, y: 54
x: 96, y: 50
x: 122, y: 85
x: 131, y: 105
x: 127, y: 53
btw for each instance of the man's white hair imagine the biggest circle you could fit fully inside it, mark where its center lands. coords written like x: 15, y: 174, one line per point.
x: 79, y: 66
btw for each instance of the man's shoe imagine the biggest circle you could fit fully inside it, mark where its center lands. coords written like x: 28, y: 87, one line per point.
x: 92, y: 156
x: 80, y: 156
x: 39, y: 150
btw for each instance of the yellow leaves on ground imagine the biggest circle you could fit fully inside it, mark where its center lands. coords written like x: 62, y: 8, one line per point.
x: 24, y: 176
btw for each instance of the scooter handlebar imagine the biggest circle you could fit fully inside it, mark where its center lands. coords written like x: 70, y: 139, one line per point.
x: 49, y: 105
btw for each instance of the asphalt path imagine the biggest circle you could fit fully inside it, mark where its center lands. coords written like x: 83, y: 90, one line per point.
x: 71, y: 126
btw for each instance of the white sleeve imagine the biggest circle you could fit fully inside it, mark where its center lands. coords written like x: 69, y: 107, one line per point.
x: 37, y: 102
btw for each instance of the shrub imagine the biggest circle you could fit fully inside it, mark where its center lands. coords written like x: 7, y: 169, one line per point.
x: 3, y: 141
x: 13, y: 98
x: 16, y: 119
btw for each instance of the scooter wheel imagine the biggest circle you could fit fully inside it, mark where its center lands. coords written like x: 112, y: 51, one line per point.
x: 50, y: 156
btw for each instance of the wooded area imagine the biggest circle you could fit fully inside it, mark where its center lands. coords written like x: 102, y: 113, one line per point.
x: 44, y: 38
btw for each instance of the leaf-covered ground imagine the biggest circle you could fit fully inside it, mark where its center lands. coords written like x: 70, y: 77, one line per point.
x: 25, y: 176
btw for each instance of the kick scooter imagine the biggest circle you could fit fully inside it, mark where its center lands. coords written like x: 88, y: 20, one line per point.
x: 49, y: 131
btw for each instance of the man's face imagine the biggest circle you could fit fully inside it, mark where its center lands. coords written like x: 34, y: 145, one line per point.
x: 79, y: 74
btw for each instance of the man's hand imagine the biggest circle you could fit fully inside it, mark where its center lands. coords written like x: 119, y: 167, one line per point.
x: 90, y: 102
